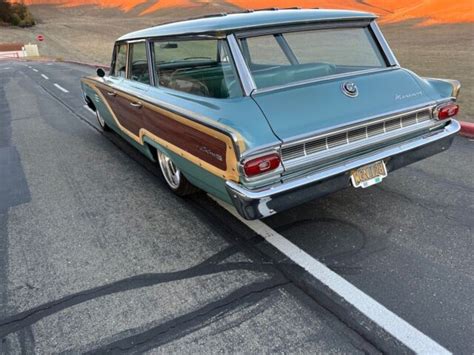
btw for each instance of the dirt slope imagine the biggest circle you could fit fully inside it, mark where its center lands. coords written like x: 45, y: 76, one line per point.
x: 430, y: 11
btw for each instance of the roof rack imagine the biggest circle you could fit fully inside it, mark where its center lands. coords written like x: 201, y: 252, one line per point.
x: 219, y: 14
x: 279, y: 8
x: 222, y: 14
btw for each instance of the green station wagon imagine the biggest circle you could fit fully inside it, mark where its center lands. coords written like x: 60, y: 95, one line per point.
x: 270, y: 109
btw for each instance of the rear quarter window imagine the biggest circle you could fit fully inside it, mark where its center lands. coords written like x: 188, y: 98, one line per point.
x: 199, y: 67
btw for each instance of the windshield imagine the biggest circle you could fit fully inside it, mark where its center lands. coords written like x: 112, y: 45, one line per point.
x: 284, y: 58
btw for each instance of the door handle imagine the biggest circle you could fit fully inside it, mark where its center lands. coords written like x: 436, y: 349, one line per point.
x: 136, y: 104
x: 111, y: 93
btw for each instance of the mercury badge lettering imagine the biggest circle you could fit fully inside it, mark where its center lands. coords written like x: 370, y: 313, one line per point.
x: 207, y: 100
x: 408, y: 96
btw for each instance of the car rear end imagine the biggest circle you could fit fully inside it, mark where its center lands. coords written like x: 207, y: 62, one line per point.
x: 344, y: 110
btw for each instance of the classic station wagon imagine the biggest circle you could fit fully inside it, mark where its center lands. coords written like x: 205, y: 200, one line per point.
x: 269, y: 109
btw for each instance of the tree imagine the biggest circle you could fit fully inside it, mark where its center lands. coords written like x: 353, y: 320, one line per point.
x: 15, y: 14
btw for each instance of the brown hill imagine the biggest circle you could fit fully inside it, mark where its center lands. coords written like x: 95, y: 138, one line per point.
x: 429, y: 11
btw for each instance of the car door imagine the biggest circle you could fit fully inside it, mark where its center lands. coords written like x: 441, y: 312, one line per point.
x: 125, y: 99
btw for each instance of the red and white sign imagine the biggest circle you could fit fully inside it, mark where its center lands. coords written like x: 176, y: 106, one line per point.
x: 40, y: 38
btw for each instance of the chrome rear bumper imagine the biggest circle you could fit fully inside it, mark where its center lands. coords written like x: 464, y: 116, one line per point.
x: 253, y: 204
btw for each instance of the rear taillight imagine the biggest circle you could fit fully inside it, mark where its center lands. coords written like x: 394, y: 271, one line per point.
x: 447, y: 111
x: 262, y: 164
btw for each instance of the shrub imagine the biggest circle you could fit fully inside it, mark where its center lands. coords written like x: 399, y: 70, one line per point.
x: 15, y: 14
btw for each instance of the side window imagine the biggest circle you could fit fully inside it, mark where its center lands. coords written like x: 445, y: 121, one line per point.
x: 199, y: 67
x: 266, y: 50
x: 138, y: 63
x: 120, y: 60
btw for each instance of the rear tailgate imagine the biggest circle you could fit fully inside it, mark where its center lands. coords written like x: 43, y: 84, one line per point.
x: 320, y: 106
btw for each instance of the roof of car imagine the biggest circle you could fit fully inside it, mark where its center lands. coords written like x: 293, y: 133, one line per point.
x: 246, y: 20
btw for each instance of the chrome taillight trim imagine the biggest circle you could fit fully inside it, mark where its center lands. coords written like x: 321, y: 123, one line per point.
x: 264, y: 178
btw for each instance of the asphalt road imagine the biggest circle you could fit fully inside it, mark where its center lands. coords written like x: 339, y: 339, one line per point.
x: 96, y: 255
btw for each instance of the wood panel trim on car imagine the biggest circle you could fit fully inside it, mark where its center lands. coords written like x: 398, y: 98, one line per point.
x: 218, y: 156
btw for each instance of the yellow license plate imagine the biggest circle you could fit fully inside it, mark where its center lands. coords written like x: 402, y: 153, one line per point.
x: 369, y: 175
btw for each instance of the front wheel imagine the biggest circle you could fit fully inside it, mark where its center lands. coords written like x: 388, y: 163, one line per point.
x: 101, y: 121
x: 173, y: 176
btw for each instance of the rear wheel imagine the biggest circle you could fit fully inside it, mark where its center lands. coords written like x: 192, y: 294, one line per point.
x: 173, y: 176
x: 101, y: 121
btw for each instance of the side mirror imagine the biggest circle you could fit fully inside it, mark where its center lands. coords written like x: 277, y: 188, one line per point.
x: 100, y: 72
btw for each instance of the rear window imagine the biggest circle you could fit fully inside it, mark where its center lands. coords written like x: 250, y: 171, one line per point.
x: 284, y: 58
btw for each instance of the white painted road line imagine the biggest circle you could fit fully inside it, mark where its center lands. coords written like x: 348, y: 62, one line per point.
x: 61, y: 88
x: 384, y: 318
x: 44, y: 76
x: 35, y: 70
x: 89, y: 109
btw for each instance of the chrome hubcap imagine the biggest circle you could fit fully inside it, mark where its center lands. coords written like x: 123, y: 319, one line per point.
x: 100, y: 119
x: 170, y: 171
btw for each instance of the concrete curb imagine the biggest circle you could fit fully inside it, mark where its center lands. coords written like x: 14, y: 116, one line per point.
x: 467, y: 129
x: 92, y: 65
x: 45, y: 59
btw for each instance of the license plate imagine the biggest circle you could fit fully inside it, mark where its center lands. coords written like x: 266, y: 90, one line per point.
x: 369, y: 175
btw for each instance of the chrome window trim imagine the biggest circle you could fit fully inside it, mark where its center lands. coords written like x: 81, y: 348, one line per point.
x: 329, y: 23
x: 114, y: 60
x: 325, y: 78
x: 136, y: 41
x: 243, y: 72
x: 151, y: 63
x: 129, y: 58
x: 384, y: 44
x: 177, y: 36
